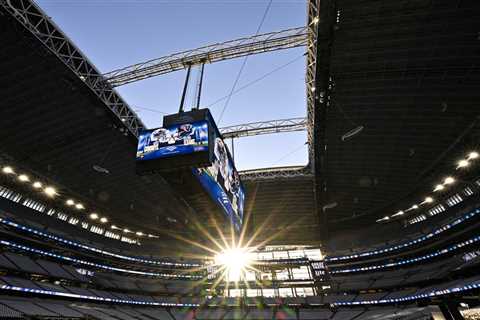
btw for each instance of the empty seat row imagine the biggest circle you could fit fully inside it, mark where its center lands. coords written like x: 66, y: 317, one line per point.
x: 17, y: 262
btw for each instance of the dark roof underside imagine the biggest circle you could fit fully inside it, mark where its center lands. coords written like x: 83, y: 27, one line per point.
x: 408, y: 72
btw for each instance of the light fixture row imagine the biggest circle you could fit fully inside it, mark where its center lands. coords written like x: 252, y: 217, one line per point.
x: 52, y: 192
x: 48, y: 190
x: 463, y: 163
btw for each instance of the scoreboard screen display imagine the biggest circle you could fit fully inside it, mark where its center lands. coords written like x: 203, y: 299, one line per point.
x: 173, y: 140
x: 222, y: 182
x: 190, y: 146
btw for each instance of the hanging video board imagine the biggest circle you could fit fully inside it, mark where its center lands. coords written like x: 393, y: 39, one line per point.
x: 222, y: 182
x: 191, y: 141
x: 174, y: 140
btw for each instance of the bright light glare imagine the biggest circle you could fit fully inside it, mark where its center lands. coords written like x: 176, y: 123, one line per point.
x: 428, y: 200
x: 449, y: 180
x: 50, y: 191
x: 7, y: 170
x: 37, y: 185
x: 23, y: 178
x: 235, y: 261
x: 473, y: 155
x: 462, y: 164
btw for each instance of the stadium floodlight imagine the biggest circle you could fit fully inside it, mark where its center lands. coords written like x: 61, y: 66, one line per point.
x: 428, y: 200
x: 8, y: 170
x: 462, y: 164
x: 386, y: 218
x: 399, y: 213
x: 139, y: 233
x: 50, y: 191
x: 415, y: 206
x: 23, y: 178
x: 37, y: 185
x: 438, y: 187
x: 234, y: 261
x: 69, y: 202
x: 93, y: 216
x: 79, y: 206
x: 449, y: 180
x: 103, y: 220
x: 473, y: 155
x: 114, y: 227
x: 126, y: 230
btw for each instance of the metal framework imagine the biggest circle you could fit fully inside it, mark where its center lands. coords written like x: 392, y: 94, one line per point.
x: 27, y: 13
x: 322, y: 17
x: 264, y: 127
x: 285, y: 39
x: 276, y: 173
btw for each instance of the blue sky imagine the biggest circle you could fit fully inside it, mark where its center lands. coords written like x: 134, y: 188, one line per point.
x: 117, y: 33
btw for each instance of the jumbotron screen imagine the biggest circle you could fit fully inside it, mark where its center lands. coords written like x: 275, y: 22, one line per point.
x: 173, y: 141
x: 222, y: 182
x: 190, y: 146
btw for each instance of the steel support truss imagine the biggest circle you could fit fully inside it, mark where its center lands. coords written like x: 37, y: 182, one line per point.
x: 267, y: 42
x: 276, y: 173
x: 322, y: 18
x: 314, y: 99
x: 27, y: 13
x: 264, y: 127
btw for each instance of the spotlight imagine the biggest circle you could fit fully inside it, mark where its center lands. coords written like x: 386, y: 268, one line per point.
x: 50, y: 191
x: 114, y: 227
x: 473, y: 155
x: 37, y: 185
x: 7, y: 170
x: 462, y: 164
x: 103, y: 220
x: 126, y: 230
x: 93, y: 216
x: 449, y: 180
x: 139, y: 233
x: 415, y: 206
x: 439, y: 187
x: 399, y: 213
x: 23, y: 178
x: 235, y: 261
x: 79, y: 206
x: 428, y: 200
x: 69, y: 202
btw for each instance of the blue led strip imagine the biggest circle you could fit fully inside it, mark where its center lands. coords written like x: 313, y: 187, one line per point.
x: 93, y: 264
x: 410, y: 243
x: 95, y: 298
x: 434, y: 293
x: 93, y: 249
x: 412, y: 260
